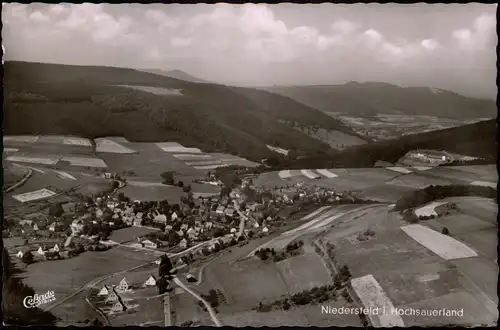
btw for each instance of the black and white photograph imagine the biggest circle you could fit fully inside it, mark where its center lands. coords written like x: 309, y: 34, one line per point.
x: 249, y: 164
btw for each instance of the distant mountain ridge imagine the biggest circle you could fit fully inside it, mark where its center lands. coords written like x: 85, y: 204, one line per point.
x: 176, y: 74
x: 369, y: 99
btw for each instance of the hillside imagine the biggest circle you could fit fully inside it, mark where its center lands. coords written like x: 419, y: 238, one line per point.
x: 369, y: 99
x: 478, y: 139
x: 91, y: 101
x: 176, y: 74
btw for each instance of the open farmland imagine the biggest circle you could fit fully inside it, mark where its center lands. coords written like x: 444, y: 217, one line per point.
x: 385, y: 193
x: 303, y: 272
x: 153, y: 193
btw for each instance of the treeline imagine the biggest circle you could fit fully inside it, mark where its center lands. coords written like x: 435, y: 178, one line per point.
x: 14, y: 292
x: 431, y: 193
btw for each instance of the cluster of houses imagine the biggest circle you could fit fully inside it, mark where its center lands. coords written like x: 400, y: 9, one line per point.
x: 429, y: 156
x: 112, y: 294
x: 53, y: 253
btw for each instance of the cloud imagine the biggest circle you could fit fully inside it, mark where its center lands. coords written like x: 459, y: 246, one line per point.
x: 255, y: 42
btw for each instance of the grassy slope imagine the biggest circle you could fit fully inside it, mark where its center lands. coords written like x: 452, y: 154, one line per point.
x: 371, y: 98
x: 86, y: 101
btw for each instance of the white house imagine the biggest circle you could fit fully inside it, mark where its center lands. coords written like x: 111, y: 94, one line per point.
x: 151, y: 244
x: 174, y: 216
x: 35, y: 227
x: 161, y: 218
x: 265, y: 230
x: 183, y: 243
x: 20, y: 254
x: 56, y: 248
x: 118, y: 307
x: 220, y: 210
x: 233, y: 230
x: 52, y: 226
x: 191, y: 231
x: 256, y: 224
x: 77, y: 226
x: 40, y: 251
x: 123, y: 286
x: 112, y: 296
x: 111, y: 205
x: 104, y: 291
x: 151, y: 281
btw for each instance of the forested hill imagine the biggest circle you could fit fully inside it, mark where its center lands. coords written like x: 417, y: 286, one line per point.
x: 478, y: 139
x: 93, y: 101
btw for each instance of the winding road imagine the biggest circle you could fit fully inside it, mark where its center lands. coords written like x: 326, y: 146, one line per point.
x: 210, y: 310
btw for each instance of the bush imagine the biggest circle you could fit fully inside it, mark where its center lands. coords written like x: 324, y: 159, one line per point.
x: 445, y: 231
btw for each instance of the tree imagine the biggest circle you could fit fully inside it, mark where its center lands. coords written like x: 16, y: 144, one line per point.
x: 27, y: 257
x: 186, y: 188
x: 165, y: 266
x: 180, y: 184
x: 56, y: 210
x: 115, y: 185
x: 445, y: 231
x: 168, y: 177
x: 163, y: 285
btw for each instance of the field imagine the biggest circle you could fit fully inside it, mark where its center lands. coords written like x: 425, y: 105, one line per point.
x: 373, y: 296
x: 129, y: 234
x: 303, y: 272
x: 153, y: 193
x: 446, y: 247
x: 429, y: 209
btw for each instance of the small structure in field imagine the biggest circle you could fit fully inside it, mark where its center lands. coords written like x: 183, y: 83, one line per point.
x: 190, y: 278
x: 40, y: 251
x: 55, y: 248
x: 151, y: 281
x: 118, y: 307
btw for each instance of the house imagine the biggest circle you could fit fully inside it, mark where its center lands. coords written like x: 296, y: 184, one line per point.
x: 265, y: 230
x: 151, y: 281
x: 168, y: 228
x: 104, y: 291
x: 183, y: 243
x: 209, y: 224
x: 111, y: 205
x: 220, y: 210
x: 191, y: 231
x: 153, y: 244
x: 256, y: 224
x: 56, y: 248
x: 40, y: 251
x: 20, y: 254
x: 229, y: 212
x: 99, y: 213
x: 112, y: 296
x: 123, y: 286
x: 77, y: 226
x: 174, y: 216
x: 233, y: 230
x: 160, y: 218
x: 52, y: 226
x: 118, y: 306
x: 35, y: 227
x: 26, y: 223
x: 184, y: 226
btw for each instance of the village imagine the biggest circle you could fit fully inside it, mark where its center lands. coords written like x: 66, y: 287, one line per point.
x: 236, y: 214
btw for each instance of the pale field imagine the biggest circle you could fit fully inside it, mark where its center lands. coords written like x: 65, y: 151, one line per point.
x: 34, y: 160
x: 484, y: 184
x: 107, y: 146
x: 20, y: 138
x: 277, y: 150
x: 175, y: 147
x: 373, y: 296
x: 309, y: 174
x: 65, y: 175
x: 78, y: 142
x: 429, y: 209
x: 85, y: 162
x: 445, y: 246
x: 327, y: 173
x: 34, y: 195
x: 156, y: 90
x: 192, y: 157
x: 402, y: 170
x: 146, y: 184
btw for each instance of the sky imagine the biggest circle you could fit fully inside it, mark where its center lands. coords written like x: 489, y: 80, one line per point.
x: 449, y: 46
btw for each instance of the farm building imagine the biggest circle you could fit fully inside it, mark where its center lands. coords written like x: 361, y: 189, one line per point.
x: 112, y: 296
x: 265, y: 230
x: 55, y: 248
x: 40, y: 251
x: 104, y: 291
x: 160, y: 218
x: 35, y: 227
x: 151, y: 281
x: 153, y: 244
x: 123, y: 286
x: 174, y: 216
x: 190, y: 278
x: 52, y: 226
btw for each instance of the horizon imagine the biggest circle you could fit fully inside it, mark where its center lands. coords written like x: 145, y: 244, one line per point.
x: 259, y: 45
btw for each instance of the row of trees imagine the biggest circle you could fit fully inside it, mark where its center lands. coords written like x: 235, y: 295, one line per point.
x: 14, y: 292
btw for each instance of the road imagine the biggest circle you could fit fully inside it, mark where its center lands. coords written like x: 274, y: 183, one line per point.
x: 167, y: 310
x: 25, y: 178
x: 207, y: 305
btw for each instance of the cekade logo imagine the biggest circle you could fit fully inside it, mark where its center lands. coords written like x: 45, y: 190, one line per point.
x: 37, y: 300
